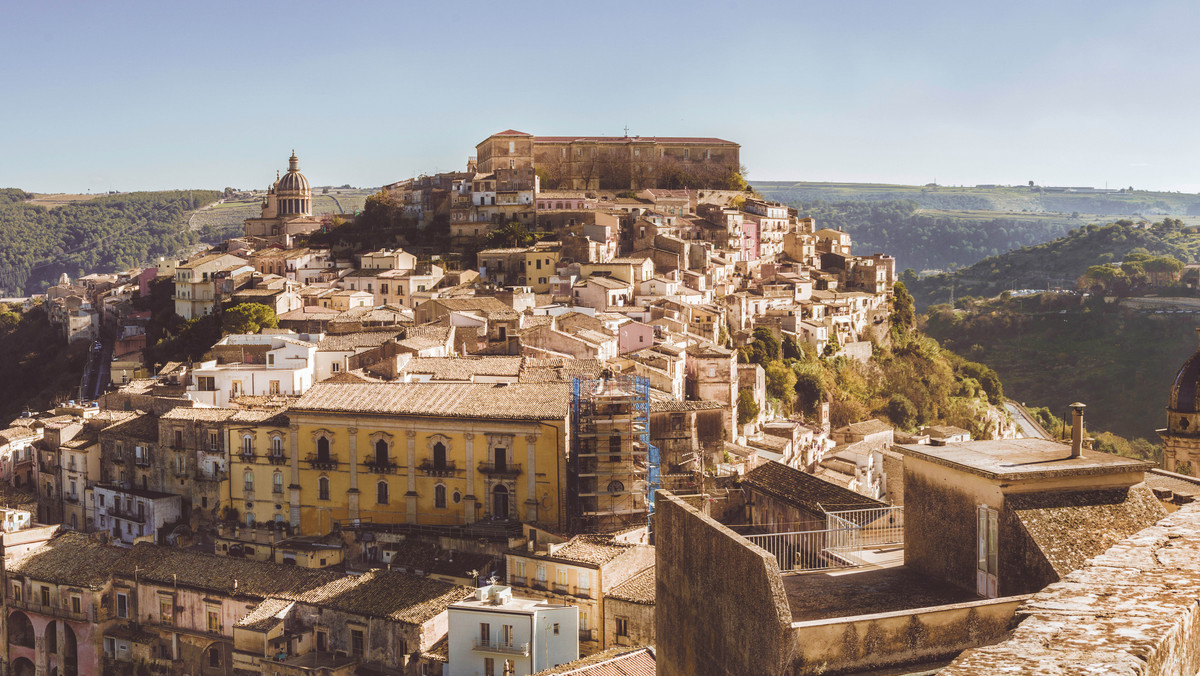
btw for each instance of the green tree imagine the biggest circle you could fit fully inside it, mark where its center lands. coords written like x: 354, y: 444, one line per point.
x: 766, y: 345
x: 747, y: 407
x: 901, y: 411
x: 510, y: 235
x: 781, y: 383
x: 903, y: 308
x: 248, y: 318
x: 791, y: 348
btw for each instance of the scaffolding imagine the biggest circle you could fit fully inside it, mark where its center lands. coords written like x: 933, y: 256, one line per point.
x: 614, y: 467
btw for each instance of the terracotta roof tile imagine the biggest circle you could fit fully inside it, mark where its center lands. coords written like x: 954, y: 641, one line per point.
x: 520, y: 401
x: 638, y: 589
x: 803, y: 490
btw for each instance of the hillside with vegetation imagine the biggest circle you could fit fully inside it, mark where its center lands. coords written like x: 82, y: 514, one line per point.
x: 910, y: 381
x: 107, y: 233
x: 928, y: 241
x: 39, y: 367
x: 1051, y: 350
x: 1061, y: 262
x: 1021, y: 199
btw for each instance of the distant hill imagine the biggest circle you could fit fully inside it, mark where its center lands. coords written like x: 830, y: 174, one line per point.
x: 1054, y: 350
x: 102, y: 234
x: 924, y: 240
x: 1058, y: 263
x: 1014, y: 200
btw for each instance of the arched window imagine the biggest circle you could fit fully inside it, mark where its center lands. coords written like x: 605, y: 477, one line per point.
x: 323, y: 449
x: 439, y: 455
x: 276, y: 446
x: 614, y: 447
x: 323, y: 488
x: 381, y: 492
x: 249, y: 518
x: 248, y: 481
x: 247, y: 445
x: 277, y: 483
x: 439, y: 496
x: 381, y: 452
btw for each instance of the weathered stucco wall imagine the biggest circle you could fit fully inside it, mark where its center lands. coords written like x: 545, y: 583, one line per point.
x: 903, y: 637
x: 721, y: 605
x: 1131, y: 610
x: 940, y: 523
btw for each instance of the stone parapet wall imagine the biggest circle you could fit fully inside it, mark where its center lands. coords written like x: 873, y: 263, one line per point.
x: 1132, y: 610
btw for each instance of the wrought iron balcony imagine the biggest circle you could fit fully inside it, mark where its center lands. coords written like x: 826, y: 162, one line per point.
x: 322, y: 462
x: 387, y: 466
x: 280, y: 459
x: 498, y: 647
x: 500, y: 469
x: 430, y: 469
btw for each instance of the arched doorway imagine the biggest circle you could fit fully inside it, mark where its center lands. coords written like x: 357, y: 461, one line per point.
x: 20, y: 630
x: 500, y: 502
x: 51, y: 636
x: 215, y: 658
x: 23, y: 667
x: 70, y: 651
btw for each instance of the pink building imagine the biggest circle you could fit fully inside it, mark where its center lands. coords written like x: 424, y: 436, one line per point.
x: 634, y: 336
x: 144, y: 280
x: 750, y: 240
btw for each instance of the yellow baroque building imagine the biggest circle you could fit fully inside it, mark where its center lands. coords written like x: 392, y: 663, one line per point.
x: 437, y: 454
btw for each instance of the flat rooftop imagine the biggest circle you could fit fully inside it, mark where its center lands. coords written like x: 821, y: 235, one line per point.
x: 823, y: 596
x: 1021, y: 459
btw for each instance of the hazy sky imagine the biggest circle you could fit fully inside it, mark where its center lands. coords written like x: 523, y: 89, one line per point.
x: 135, y: 96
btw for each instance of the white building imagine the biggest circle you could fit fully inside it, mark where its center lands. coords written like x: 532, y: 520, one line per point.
x: 197, y: 291
x: 131, y: 513
x: 255, y: 364
x: 494, y: 634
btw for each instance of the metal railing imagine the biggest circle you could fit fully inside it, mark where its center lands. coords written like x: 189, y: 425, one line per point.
x: 502, y: 648
x: 850, y: 534
x: 878, y: 527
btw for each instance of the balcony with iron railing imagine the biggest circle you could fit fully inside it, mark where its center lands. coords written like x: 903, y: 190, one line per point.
x: 127, y: 514
x: 279, y: 459
x: 211, y: 475
x: 429, y: 468
x: 322, y: 461
x: 377, y: 466
x: 500, y: 648
x: 509, y: 469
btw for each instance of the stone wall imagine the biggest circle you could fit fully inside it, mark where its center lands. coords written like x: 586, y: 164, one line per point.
x: 639, y: 619
x: 1131, y: 610
x: 721, y: 605
x: 853, y: 644
x: 935, y: 515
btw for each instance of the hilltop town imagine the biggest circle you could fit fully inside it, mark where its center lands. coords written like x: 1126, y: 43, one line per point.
x: 582, y: 450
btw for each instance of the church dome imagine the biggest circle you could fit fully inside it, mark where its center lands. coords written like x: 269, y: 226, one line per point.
x: 293, y: 182
x: 1184, y: 389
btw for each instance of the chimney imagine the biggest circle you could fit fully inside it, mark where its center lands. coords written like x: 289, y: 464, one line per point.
x: 1077, y: 429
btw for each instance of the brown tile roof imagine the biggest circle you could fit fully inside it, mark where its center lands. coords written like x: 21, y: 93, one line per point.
x: 348, y: 342
x: 70, y: 558
x: 144, y: 427
x: 872, y: 426
x: 519, y: 401
x: 590, y: 550
x: 265, y: 615
x: 803, y: 490
x: 1072, y: 527
x: 462, y: 368
x: 220, y: 574
x: 391, y: 595
x: 618, y: 661
x: 638, y: 589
